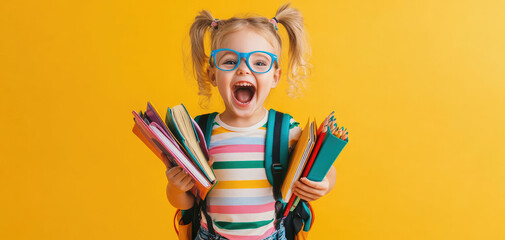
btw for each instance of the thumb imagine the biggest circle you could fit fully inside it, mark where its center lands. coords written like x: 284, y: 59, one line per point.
x: 211, y: 160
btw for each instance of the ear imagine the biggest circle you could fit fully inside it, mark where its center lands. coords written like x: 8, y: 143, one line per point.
x: 211, y: 73
x: 277, y: 77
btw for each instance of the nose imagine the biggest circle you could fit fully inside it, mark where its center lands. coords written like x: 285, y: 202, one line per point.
x: 243, y: 68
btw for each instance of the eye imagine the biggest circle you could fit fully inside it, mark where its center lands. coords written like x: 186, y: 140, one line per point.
x: 230, y: 62
x: 260, y: 63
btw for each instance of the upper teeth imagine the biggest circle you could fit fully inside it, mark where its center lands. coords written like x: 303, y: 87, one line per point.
x: 243, y: 84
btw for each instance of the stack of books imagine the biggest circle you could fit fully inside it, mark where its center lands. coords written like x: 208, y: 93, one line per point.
x: 313, y: 156
x: 179, y: 142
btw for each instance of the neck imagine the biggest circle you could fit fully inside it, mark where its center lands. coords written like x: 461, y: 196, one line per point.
x: 233, y: 120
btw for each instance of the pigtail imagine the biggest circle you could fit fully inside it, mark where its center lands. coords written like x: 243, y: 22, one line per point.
x: 197, y: 35
x: 299, y: 49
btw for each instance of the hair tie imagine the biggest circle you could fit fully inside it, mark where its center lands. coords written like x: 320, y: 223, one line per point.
x: 214, y: 23
x: 274, y: 22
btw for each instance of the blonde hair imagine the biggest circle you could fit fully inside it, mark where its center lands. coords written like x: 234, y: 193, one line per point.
x: 299, y: 50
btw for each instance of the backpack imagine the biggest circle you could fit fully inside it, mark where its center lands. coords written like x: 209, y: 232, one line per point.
x: 297, y: 224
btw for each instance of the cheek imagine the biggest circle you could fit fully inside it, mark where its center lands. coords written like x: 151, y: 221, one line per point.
x: 223, y: 81
x: 265, y: 88
x: 267, y: 81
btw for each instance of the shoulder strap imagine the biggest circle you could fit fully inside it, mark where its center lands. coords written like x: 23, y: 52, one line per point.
x: 276, y: 149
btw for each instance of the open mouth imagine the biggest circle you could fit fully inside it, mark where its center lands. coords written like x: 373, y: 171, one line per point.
x: 243, y: 92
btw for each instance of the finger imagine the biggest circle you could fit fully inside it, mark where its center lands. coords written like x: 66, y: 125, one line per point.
x: 302, y: 196
x: 189, y: 186
x: 316, y: 185
x: 305, y: 195
x: 185, y: 180
x: 177, y: 178
x: 173, y: 171
x: 185, y: 184
x: 316, y: 192
x: 181, y: 185
x: 308, y: 188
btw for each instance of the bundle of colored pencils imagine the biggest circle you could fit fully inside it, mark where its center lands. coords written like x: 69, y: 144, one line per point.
x: 331, y: 122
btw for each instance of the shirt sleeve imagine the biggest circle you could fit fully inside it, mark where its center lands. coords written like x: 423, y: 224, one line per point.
x: 294, y: 134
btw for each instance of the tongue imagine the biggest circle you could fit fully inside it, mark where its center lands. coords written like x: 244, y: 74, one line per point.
x: 244, y: 95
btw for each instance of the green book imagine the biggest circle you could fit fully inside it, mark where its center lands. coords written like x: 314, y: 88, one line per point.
x: 181, y: 124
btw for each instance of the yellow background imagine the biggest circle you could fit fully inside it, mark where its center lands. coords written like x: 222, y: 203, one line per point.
x: 420, y: 85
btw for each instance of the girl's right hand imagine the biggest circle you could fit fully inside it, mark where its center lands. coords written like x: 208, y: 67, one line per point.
x: 178, y: 179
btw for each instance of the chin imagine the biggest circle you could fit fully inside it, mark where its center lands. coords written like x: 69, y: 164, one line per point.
x: 243, y: 112
x: 247, y: 111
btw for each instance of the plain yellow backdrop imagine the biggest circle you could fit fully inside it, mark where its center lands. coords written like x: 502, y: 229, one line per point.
x: 419, y: 84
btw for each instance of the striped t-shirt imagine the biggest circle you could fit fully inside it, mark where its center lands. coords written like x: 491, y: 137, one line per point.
x: 242, y: 205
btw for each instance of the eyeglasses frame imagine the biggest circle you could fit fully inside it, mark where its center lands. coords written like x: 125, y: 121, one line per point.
x: 240, y: 56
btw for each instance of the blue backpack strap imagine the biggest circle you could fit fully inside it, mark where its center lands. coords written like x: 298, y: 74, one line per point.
x: 276, y: 149
x: 284, y: 153
x: 276, y: 156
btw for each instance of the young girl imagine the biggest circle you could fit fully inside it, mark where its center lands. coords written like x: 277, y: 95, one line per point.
x: 244, y: 65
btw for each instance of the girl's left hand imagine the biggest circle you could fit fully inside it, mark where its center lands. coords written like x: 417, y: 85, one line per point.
x: 310, y: 190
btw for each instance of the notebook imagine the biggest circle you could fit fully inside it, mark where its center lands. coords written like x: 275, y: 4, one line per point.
x: 159, y: 138
x: 298, y: 159
x: 185, y: 130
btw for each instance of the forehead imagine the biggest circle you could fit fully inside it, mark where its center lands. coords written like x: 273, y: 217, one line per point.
x: 247, y: 41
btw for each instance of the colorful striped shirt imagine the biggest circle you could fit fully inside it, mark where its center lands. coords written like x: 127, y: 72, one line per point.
x: 241, y: 204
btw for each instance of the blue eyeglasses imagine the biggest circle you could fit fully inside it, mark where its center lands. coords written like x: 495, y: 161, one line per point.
x: 228, y: 60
